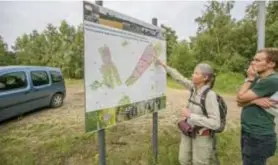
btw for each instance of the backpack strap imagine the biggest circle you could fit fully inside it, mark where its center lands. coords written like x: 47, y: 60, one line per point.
x: 190, y: 98
x: 191, y: 93
x: 203, y: 101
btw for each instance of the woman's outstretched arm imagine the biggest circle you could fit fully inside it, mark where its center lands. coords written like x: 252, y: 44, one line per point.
x: 177, y: 76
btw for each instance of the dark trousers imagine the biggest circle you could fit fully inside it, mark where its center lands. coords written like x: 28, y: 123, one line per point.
x: 256, y: 149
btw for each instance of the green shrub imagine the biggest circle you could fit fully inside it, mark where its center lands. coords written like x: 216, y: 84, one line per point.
x: 228, y: 82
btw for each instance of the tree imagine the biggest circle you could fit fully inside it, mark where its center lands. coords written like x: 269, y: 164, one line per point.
x: 225, y: 43
x: 272, y: 24
x: 183, y: 59
x: 216, y: 41
x: 171, y: 39
x: 58, y: 47
x: 6, y: 57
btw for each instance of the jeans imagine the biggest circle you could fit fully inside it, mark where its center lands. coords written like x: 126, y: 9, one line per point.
x: 256, y: 149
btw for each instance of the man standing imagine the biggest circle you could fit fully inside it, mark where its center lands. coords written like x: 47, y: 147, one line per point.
x: 258, y: 138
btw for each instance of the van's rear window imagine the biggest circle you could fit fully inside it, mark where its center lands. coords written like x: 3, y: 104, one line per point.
x: 56, y: 76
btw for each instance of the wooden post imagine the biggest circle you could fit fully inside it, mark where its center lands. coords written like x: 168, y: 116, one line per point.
x: 99, y: 2
x: 101, y: 133
x: 155, y: 121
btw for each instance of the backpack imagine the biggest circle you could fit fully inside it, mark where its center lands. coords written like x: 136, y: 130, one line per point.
x: 222, y: 108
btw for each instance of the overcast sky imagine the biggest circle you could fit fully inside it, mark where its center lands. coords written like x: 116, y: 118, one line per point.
x: 20, y: 17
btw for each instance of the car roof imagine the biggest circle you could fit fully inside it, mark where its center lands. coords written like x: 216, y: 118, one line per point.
x: 25, y: 68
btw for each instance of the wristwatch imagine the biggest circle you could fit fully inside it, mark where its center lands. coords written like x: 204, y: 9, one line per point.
x: 248, y: 80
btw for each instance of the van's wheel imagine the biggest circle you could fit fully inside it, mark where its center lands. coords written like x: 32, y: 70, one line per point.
x: 56, y: 101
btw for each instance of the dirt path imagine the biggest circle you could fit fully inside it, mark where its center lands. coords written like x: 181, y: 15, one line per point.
x: 71, y: 115
x: 178, y: 98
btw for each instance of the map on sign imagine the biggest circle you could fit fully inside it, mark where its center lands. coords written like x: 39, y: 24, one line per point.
x: 122, y: 81
x: 108, y: 69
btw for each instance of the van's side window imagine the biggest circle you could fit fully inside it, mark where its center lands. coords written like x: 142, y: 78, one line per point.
x: 13, y: 81
x: 56, y: 76
x: 39, y: 78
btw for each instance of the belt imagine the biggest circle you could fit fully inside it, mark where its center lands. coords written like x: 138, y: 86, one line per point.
x: 205, y: 132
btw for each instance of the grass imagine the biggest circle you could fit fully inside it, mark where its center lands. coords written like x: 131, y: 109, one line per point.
x: 173, y: 84
x: 50, y: 143
x: 27, y: 145
x: 226, y: 83
x: 74, y: 81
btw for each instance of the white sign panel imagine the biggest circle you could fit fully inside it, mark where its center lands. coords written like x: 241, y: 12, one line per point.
x: 122, y: 80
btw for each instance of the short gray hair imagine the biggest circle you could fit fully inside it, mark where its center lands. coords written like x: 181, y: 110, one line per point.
x: 207, y: 70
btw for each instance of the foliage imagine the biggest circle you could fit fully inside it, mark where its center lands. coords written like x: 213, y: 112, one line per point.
x: 183, y: 59
x: 228, y: 83
x: 6, y: 57
x: 225, y: 83
x: 171, y: 39
x: 59, y: 47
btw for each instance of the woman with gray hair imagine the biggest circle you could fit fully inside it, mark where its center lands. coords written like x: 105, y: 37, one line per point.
x: 197, y: 146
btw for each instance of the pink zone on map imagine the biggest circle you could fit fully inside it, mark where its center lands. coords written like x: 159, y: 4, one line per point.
x: 106, y: 50
x: 142, y: 65
x: 146, y: 59
x: 105, y: 53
